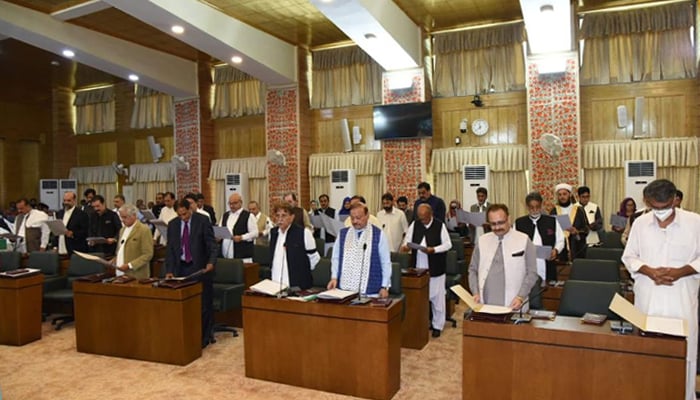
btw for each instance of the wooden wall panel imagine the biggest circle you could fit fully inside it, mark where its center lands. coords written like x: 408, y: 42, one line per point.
x: 240, y: 137
x: 142, y: 152
x: 326, y: 129
x: 97, y: 153
x: 28, y: 170
x: 670, y: 110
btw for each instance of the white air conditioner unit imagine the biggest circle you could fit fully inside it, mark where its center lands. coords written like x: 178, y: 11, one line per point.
x: 343, y: 184
x: 48, y: 193
x: 237, y: 182
x: 473, y: 177
x: 638, y: 174
x: 68, y: 185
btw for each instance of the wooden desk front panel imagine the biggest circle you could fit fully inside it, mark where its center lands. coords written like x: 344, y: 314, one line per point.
x: 328, y: 347
x: 414, y: 328
x: 20, y: 310
x: 526, y: 362
x: 139, y: 322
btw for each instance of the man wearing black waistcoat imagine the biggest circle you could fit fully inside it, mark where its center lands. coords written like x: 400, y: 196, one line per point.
x: 292, y: 250
x: 243, y: 230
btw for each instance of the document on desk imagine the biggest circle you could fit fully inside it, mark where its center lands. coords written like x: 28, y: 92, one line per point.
x: 57, y: 227
x: 462, y: 293
x: 647, y: 323
x: 268, y: 287
x: 336, y: 294
x: 93, y: 257
x: 222, y: 232
x: 544, y: 252
x: 564, y: 221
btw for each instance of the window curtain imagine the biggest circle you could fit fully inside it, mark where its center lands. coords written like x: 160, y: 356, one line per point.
x: 149, y: 179
x: 101, y: 178
x: 507, y: 168
x: 369, y: 170
x: 255, y: 167
x: 604, y: 169
x: 473, y: 61
x: 152, y: 109
x: 236, y: 93
x: 346, y: 76
x: 94, y: 110
x: 647, y: 44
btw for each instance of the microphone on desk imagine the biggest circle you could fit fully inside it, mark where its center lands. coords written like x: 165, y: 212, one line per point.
x: 284, y: 262
x: 361, y: 299
x: 524, y: 318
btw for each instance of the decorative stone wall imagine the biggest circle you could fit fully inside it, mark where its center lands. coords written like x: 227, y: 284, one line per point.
x: 188, y: 145
x: 553, y: 107
x: 282, y: 131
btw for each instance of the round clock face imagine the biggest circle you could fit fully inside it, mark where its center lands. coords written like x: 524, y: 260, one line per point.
x: 480, y: 127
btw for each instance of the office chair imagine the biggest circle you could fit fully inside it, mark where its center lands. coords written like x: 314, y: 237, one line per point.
x: 261, y: 255
x: 59, y: 292
x: 605, y: 253
x: 229, y: 284
x: 10, y: 260
x: 395, y: 291
x: 48, y: 263
x: 585, y: 269
x: 580, y: 297
x: 612, y: 240
x: 321, y: 274
x: 535, y: 295
x: 453, y: 276
x: 404, y: 259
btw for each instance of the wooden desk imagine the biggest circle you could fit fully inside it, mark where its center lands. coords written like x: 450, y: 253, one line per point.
x: 353, y: 350
x: 566, y: 359
x: 20, y: 310
x: 139, y: 321
x: 414, y: 328
x: 251, y: 274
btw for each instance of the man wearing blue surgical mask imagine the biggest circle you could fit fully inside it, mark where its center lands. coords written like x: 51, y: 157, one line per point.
x: 663, y: 257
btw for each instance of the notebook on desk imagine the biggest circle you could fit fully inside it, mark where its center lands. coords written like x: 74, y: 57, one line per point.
x: 19, y: 273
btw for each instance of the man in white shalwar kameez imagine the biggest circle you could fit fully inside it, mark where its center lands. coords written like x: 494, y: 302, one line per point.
x: 663, y: 256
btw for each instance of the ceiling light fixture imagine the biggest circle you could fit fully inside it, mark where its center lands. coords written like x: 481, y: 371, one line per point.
x: 177, y: 29
x: 68, y: 53
x: 55, y: 63
x: 133, y: 77
x: 547, y: 8
x: 236, y: 59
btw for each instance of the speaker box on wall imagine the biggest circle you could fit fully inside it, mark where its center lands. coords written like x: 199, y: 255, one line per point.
x: 621, y: 116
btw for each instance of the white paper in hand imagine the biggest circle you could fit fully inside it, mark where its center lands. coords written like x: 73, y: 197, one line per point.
x: 478, y: 307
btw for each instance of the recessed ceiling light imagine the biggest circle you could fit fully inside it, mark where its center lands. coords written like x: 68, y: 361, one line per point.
x: 370, y: 36
x: 236, y: 59
x: 546, y: 8
x: 55, y: 63
x: 68, y: 53
x: 177, y: 29
x: 133, y: 77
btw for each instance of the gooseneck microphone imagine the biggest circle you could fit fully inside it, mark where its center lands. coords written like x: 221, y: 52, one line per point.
x: 280, y: 294
x: 361, y: 299
x: 526, y: 317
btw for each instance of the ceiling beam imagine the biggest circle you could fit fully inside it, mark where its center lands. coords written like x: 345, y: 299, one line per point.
x: 80, y: 10
x: 156, y: 70
x: 265, y: 57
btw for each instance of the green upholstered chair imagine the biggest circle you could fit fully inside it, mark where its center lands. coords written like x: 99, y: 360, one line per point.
x: 261, y: 255
x: 10, y: 260
x: 229, y: 284
x: 580, y: 297
x: 586, y: 269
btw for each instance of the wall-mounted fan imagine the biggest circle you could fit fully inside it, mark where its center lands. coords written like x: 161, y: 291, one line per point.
x: 180, y: 163
x: 551, y: 144
x: 276, y: 157
x: 119, y: 169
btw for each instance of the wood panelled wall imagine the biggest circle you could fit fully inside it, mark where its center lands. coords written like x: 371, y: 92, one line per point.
x: 670, y: 109
x: 240, y: 137
x: 326, y: 129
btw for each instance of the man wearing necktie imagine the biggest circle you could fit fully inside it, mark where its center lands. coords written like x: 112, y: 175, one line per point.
x: 191, y: 248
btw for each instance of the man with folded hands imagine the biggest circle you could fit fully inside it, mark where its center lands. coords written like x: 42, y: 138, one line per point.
x: 135, y: 246
x: 503, y: 268
x: 361, y: 258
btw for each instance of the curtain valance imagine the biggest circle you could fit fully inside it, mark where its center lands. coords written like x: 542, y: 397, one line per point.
x: 363, y: 162
x: 498, y: 158
x: 151, y: 172
x: 94, y: 96
x: 473, y: 39
x: 99, y: 174
x: 666, y: 153
x: 256, y: 167
x: 649, y: 19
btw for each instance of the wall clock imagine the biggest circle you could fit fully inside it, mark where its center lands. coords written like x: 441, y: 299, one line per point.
x: 480, y: 127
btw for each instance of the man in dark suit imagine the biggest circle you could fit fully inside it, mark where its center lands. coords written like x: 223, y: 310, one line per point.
x: 324, y: 201
x: 206, y: 207
x: 77, y: 224
x: 191, y: 248
x: 543, y: 230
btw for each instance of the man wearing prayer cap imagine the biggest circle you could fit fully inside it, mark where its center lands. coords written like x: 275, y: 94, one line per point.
x: 575, y: 235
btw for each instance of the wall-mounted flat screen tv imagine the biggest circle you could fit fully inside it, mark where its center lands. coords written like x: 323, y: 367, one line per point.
x: 403, y: 121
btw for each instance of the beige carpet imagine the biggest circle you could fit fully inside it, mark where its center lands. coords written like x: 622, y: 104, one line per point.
x: 51, y: 368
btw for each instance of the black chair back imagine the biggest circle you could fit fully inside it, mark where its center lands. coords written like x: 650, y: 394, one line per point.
x: 535, y: 295
x: 580, y: 297
x: 612, y: 240
x: 321, y: 274
x: 605, y: 253
x: 261, y: 254
x: 9, y: 260
x: 46, y: 261
x: 586, y: 269
x: 395, y: 279
x: 229, y: 271
x: 404, y: 259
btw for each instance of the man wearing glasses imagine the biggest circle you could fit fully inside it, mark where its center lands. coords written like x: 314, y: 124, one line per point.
x: 663, y: 257
x: 503, y: 268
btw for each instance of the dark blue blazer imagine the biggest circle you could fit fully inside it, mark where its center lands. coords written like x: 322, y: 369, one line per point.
x: 202, y: 245
x: 79, y: 224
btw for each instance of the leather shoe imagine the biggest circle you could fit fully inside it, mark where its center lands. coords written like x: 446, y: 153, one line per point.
x: 436, y: 333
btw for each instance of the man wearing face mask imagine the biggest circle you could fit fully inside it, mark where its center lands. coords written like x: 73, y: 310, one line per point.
x: 543, y: 230
x: 575, y: 236
x: 503, y: 268
x: 663, y: 257
x: 393, y: 222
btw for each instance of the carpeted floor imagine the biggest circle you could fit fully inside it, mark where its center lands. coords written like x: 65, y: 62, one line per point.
x: 51, y: 368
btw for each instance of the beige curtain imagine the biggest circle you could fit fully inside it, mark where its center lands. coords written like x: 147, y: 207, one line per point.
x: 507, y: 168
x: 255, y: 167
x: 603, y: 164
x: 645, y: 44
x: 473, y: 61
x: 149, y: 179
x: 94, y: 110
x: 369, y: 170
x: 343, y: 77
x: 152, y: 109
x: 101, y: 178
x: 236, y: 93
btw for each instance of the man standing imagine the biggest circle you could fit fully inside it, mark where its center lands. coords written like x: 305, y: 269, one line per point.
x: 293, y: 252
x: 479, y: 207
x: 167, y: 214
x: 432, y: 235
x: 206, y: 207
x: 31, y: 228
x: 361, y: 258
x: 324, y: 201
x: 135, y: 248
x: 402, y: 204
x: 192, y: 248
x: 243, y: 230
x: 663, y: 257
x: 503, y: 268
x: 593, y: 215
x: 393, y: 222
x: 575, y: 236
x: 543, y: 230
x: 77, y: 224
x: 159, y: 204
x: 89, y: 193
x: 261, y: 220
x: 301, y: 217
x: 103, y: 223
x: 436, y: 204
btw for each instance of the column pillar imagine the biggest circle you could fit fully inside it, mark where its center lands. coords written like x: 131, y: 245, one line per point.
x: 283, y: 134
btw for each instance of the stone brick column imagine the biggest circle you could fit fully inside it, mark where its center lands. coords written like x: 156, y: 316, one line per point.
x: 283, y: 134
x: 187, y: 144
x: 553, y: 107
